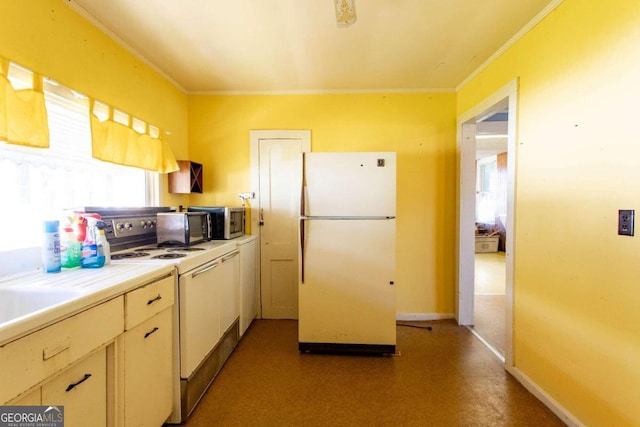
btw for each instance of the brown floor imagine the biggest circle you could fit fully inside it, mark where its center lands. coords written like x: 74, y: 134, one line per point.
x: 489, y: 320
x: 440, y: 377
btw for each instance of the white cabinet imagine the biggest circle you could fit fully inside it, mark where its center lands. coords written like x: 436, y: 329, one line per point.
x: 230, y: 292
x: 111, y: 364
x: 148, y: 369
x: 82, y: 390
x: 148, y: 353
x: 248, y: 282
x: 144, y: 302
x: 28, y: 361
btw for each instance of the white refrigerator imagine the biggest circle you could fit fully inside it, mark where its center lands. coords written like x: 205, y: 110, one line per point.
x: 347, y: 253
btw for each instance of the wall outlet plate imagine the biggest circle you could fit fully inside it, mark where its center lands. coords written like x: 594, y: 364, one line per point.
x: 625, y: 222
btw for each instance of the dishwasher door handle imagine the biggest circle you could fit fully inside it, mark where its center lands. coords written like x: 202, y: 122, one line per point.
x: 231, y: 255
x: 205, y: 269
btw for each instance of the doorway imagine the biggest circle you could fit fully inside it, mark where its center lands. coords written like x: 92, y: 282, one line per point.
x: 490, y: 225
x: 276, y: 174
x: 472, y: 131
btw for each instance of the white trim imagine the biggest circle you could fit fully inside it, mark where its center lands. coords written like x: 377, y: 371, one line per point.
x: 465, y: 247
x: 417, y: 317
x: 513, y: 40
x: 465, y: 244
x: 126, y: 46
x: 565, y: 416
x: 322, y: 91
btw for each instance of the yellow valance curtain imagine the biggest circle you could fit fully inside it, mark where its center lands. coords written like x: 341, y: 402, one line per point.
x: 23, y: 115
x: 118, y: 143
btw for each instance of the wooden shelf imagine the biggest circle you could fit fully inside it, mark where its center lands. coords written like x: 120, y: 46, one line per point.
x: 186, y: 180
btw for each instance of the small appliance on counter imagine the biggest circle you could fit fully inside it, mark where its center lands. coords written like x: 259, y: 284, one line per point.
x: 226, y: 222
x: 183, y: 228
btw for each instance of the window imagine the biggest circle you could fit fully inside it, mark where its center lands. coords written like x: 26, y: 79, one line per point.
x: 36, y: 184
x: 486, y: 195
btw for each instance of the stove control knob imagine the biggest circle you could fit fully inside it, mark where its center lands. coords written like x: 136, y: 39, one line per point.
x: 150, y: 223
x: 119, y: 226
x: 128, y: 226
x: 143, y: 224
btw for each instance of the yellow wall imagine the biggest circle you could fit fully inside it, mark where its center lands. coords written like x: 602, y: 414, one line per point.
x: 49, y: 37
x: 419, y: 127
x: 576, y: 331
x: 577, y: 328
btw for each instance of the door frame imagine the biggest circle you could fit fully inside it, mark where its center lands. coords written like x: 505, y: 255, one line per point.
x: 254, y: 163
x: 465, y: 244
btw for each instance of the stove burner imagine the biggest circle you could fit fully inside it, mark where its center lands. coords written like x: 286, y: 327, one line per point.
x: 128, y: 255
x: 190, y: 249
x: 147, y: 249
x: 169, y: 256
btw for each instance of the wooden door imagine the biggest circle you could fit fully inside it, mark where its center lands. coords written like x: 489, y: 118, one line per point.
x: 280, y: 180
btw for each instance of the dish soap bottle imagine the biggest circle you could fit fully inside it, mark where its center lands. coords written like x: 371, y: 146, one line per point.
x: 69, y: 249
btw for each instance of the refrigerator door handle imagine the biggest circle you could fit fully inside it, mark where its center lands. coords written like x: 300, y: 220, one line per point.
x: 301, y: 250
x: 302, y: 192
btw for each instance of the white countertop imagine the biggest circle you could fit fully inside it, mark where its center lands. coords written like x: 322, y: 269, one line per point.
x: 243, y: 239
x: 31, y: 301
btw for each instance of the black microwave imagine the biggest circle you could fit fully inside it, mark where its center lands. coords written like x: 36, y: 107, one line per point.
x: 226, y: 222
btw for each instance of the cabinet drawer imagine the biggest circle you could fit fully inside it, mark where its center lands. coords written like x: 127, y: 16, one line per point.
x: 30, y: 360
x: 148, y: 300
x: 82, y: 390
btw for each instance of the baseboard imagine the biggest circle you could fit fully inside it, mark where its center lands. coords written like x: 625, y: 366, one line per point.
x: 415, y: 317
x: 567, y: 417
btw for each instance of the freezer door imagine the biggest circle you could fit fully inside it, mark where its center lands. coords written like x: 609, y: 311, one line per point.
x: 350, y: 184
x: 348, y: 296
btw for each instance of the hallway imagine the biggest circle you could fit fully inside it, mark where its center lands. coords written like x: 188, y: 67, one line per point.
x: 440, y: 377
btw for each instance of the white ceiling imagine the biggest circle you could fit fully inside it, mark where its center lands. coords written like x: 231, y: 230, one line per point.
x: 263, y: 46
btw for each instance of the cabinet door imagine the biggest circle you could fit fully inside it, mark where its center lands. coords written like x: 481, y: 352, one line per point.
x: 248, y: 284
x: 230, y: 298
x: 148, y: 369
x: 82, y: 390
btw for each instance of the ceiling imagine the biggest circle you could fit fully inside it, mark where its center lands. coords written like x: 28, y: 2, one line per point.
x: 280, y: 46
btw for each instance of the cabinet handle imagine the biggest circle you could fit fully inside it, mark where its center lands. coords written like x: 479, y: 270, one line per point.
x: 151, y: 301
x: 74, y: 385
x: 151, y: 331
